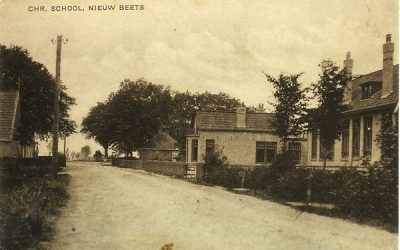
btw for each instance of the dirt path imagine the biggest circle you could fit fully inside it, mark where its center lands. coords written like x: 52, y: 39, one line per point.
x: 113, y: 208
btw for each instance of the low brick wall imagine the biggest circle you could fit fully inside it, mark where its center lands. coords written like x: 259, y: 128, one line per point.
x: 135, y: 164
x: 161, y: 167
x: 115, y: 161
x: 165, y: 167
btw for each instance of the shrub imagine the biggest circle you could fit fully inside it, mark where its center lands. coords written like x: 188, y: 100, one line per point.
x: 362, y: 194
x: 28, y: 203
x: 370, y: 195
x: 225, y: 176
x: 214, y: 161
x: 282, y: 164
x: 324, y: 183
x: 257, y: 178
x: 291, y: 185
x: 97, y: 156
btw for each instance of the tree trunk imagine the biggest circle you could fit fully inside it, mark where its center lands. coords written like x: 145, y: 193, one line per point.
x: 106, y: 151
x: 284, y: 145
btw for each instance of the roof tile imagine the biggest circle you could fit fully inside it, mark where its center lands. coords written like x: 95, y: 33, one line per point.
x: 358, y: 104
x: 7, y: 106
x: 220, y: 120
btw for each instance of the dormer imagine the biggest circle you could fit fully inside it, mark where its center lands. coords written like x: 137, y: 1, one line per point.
x: 370, y: 88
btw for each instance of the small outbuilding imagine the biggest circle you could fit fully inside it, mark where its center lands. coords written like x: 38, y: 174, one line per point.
x: 161, y: 148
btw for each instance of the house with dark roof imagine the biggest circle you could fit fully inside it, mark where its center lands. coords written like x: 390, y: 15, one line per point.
x: 9, y: 120
x: 369, y: 97
x: 246, y: 138
x: 162, y: 147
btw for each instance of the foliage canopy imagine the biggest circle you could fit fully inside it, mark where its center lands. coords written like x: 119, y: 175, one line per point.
x: 329, y: 92
x: 290, y: 106
x: 37, y: 88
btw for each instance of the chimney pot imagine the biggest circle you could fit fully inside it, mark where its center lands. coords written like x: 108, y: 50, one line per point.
x: 348, y: 66
x: 260, y: 108
x: 388, y: 38
x: 241, y: 117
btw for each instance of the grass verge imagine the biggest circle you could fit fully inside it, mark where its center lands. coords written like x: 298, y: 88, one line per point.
x: 29, y: 205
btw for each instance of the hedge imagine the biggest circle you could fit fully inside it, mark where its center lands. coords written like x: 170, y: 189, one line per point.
x: 363, y: 194
x: 30, y: 199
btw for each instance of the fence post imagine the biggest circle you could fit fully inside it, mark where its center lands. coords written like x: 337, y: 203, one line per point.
x: 309, y: 186
x: 243, y: 177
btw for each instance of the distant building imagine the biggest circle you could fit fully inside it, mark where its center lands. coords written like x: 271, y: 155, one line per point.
x: 247, y: 139
x: 9, y: 121
x: 370, y: 97
x: 162, y: 148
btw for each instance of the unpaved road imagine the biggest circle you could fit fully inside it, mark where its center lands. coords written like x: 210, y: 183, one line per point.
x: 113, y: 208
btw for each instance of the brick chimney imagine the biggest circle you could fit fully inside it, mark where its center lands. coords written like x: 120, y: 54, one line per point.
x: 387, y: 72
x: 241, y: 117
x: 348, y: 66
x: 260, y: 108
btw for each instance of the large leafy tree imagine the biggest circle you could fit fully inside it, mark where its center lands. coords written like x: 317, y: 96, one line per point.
x: 133, y: 115
x: 37, y: 88
x: 67, y: 125
x: 137, y: 111
x: 326, y: 118
x: 86, y: 151
x: 97, y: 125
x: 290, y: 106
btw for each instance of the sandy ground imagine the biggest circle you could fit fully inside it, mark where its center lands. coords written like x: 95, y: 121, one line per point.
x: 113, y: 208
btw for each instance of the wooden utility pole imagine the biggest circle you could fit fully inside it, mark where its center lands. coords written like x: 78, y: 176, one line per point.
x: 56, y: 110
x: 65, y: 143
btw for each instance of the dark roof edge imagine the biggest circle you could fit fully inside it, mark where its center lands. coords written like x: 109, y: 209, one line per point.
x: 237, y: 130
x: 160, y: 149
x: 370, y: 109
x: 222, y: 111
x: 373, y: 72
x: 192, y: 135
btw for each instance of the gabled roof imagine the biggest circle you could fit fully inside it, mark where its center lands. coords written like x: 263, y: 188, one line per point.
x: 223, y: 120
x: 375, y: 101
x: 8, y: 114
x: 163, y: 141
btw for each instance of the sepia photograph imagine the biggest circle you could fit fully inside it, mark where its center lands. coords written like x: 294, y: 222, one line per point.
x: 203, y: 124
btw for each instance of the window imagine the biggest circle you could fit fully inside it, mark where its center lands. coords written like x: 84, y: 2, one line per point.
x: 295, y: 151
x: 356, y: 138
x: 345, y: 139
x: 265, y: 152
x: 328, y: 152
x: 369, y: 89
x: 314, y: 142
x: 366, y: 91
x: 194, y: 150
x: 210, y: 146
x: 367, y: 136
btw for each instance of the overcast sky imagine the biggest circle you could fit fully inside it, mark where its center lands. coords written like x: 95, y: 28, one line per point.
x: 197, y: 45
